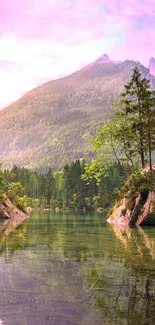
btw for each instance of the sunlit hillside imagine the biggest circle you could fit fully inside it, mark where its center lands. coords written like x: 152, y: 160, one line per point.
x: 50, y: 125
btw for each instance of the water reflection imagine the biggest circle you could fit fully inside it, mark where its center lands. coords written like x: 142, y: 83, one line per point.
x: 125, y: 292
x: 138, y: 243
x: 10, y: 225
x: 76, y: 270
x: 9, y: 244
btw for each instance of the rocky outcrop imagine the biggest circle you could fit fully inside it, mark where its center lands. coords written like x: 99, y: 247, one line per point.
x: 9, y: 211
x: 148, y: 209
x: 117, y: 215
x: 143, y: 210
x: 152, y: 66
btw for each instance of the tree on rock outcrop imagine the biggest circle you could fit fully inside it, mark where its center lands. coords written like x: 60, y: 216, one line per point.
x: 130, y: 134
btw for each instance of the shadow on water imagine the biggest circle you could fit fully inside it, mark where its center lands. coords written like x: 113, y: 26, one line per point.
x: 72, y: 269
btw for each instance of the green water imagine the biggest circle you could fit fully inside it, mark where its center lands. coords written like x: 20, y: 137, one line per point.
x: 68, y: 269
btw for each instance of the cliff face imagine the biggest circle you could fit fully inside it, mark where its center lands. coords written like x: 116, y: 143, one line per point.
x: 143, y: 211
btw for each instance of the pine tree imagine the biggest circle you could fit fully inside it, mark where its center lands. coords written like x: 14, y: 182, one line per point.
x: 138, y: 102
x: 49, y: 186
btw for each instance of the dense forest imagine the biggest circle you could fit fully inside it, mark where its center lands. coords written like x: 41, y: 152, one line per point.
x: 68, y: 188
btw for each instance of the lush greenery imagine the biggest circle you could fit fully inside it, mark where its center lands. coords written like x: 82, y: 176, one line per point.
x: 68, y: 188
x: 129, y: 136
x: 2, y: 184
x: 14, y: 190
x: 138, y: 182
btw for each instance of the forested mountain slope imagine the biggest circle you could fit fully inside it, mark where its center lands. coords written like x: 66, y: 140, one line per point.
x: 49, y: 125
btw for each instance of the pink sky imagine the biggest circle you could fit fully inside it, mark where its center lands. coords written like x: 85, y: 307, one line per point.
x: 41, y: 40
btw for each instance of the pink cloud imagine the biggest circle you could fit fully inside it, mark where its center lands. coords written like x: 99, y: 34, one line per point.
x: 66, y: 20
x: 37, y: 19
x: 67, y: 34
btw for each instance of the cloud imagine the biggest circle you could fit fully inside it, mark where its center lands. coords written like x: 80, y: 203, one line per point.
x: 44, y: 40
x: 58, y: 20
x: 25, y: 65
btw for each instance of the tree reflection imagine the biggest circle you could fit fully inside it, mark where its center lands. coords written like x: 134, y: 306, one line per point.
x: 125, y: 292
x: 9, y: 244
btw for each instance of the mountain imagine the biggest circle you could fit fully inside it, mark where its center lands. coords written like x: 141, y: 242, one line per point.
x: 50, y: 125
x: 152, y: 66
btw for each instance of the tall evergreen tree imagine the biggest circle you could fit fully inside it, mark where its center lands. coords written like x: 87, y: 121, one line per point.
x: 138, y: 103
x: 49, y: 186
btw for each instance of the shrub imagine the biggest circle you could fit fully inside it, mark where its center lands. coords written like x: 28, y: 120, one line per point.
x: 138, y: 182
x: 16, y: 195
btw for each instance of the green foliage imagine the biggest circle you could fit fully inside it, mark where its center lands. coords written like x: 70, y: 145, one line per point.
x: 15, y: 193
x: 138, y: 104
x: 72, y: 187
x: 110, y: 178
x: 2, y: 185
x: 129, y: 136
x: 21, y: 203
x: 138, y: 182
x: 123, y: 212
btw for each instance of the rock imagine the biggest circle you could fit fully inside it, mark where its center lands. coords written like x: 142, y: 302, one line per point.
x: 29, y: 209
x: 120, y: 215
x: 143, y: 205
x: 152, y: 66
x: 9, y: 211
x: 148, y: 209
x: 143, y: 209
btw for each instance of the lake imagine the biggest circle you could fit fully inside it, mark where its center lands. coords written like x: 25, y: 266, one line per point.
x: 75, y: 269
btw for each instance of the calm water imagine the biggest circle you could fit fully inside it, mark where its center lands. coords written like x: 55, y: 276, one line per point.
x: 68, y: 269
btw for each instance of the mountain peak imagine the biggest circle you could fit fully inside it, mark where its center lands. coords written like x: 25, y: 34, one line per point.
x: 103, y: 58
x: 152, y: 59
x: 152, y: 65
